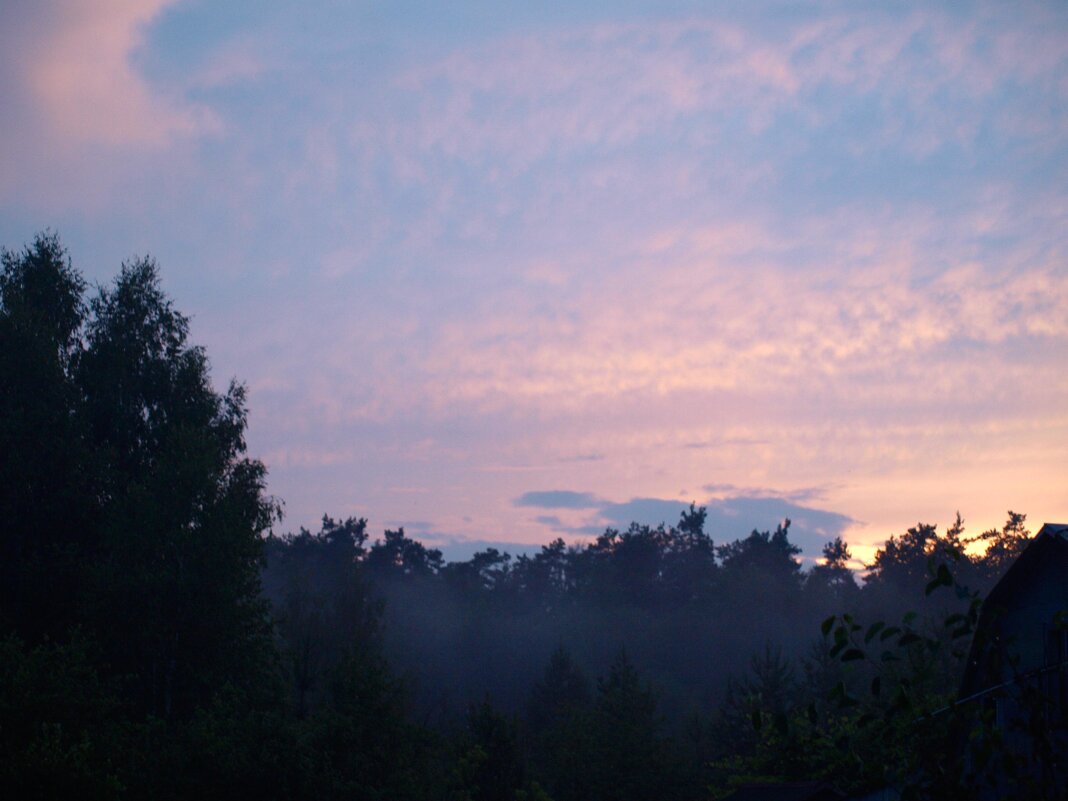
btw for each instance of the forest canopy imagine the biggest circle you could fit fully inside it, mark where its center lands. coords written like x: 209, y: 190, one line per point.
x: 160, y: 638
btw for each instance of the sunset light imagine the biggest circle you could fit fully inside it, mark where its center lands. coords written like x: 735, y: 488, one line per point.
x: 814, y: 253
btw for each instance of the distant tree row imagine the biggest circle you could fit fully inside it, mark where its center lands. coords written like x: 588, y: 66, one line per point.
x: 671, y: 566
x: 158, y: 641
x: 499, y: 662
x: 689, y: 612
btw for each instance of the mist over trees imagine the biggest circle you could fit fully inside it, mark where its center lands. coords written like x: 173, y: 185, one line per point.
x: 159, y: 638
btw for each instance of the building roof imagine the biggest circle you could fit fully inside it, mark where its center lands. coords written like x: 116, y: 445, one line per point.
x: 1048, y: 548
x: 1053, y: 530
x: 1045, y: 555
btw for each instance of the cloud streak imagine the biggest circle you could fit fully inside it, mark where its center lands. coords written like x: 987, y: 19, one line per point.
x: 557, y: 499
x: 76, y: 69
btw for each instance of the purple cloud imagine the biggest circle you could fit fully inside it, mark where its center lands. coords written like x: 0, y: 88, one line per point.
x: 557, y: 499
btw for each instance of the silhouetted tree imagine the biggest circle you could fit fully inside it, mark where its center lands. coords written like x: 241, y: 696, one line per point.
x: 130, y: 523
x: 833, y: 577
x: 486, y: 571
x: 559, y: 722
x: 690, y: 571
x: 48, y: 523
x: 397, y: 555
x: 181, y: 507
x: 546, y: 576
x: 902, y: 561
x: 321, y: 602
x: 628, y: 760
x: 359, y: 743
x: 1003, y: 546
x: 491, y: 766
x: 763, y: 552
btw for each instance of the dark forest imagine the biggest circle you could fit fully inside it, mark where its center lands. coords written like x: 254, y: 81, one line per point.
x: 161, y: 637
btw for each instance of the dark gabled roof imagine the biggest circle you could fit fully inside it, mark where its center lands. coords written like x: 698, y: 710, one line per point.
x: 1053, y: 530
x: 1050, y: 544
x: 1047, y: 551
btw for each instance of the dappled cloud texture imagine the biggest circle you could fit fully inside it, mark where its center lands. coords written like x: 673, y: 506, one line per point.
x: 619, y: 255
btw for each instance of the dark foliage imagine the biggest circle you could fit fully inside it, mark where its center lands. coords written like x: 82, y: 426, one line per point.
x: 157, y: 640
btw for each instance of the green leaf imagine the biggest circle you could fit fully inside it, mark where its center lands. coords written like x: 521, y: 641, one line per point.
x: 839, y: 695
x: 873, y: 629
x: 852, y: 655
x: 888, y: 633
x: 827, y: 624
x: 908, y: 638
x: 876, y: 686
x: 942, y: 578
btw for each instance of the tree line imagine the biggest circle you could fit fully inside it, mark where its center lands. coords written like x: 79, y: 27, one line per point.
x: 159, y: 639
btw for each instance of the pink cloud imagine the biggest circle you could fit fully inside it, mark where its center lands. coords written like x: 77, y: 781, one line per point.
x: 599, y: 263
x: 83, y: 127
x: 601, y: 86
x: 701, y: 322
x: 74, y: 60
x: 523, y: 98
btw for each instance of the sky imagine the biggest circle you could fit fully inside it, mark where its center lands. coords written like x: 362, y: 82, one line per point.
x: 505, y: 272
